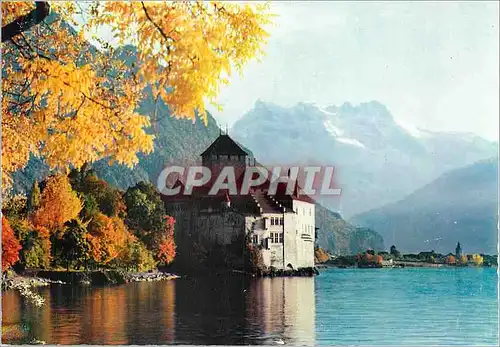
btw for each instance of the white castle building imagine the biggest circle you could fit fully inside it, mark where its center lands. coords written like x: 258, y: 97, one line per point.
x: 281, y: 225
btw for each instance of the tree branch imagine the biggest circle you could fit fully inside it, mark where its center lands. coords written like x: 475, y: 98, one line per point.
x: 167, y: 38
x: 27, y: 21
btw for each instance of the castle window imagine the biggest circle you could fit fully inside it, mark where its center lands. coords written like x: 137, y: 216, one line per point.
x: 281, y: 237
x: 276, y: 221
x: 282, y: 221
x: 214, y: 156
x: 271, y: 238
x: 310, y: 211
x: 234, y: 158
x: 272, y: 221
x: 276, y: 237
x: 255, y: 239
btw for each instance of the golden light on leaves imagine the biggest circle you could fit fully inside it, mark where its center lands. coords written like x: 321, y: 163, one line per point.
x: 58, y: 204
x: 69, y: 103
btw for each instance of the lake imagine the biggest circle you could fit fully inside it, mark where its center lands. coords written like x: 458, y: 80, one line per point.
x: 445, y: 306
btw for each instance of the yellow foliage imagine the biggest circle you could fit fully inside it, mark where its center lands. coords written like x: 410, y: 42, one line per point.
x: 477, y: 259
x: 71, y: 105
x: 58, y: 204
x: 463, y: 259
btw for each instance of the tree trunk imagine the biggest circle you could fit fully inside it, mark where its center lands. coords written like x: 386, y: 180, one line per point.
x: 27, y: 21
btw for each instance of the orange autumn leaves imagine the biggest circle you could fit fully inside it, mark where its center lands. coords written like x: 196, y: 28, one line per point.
x: 164, y: 243
x: 369, y: 258
x: 69, y: 103
x: 10, y: 245
x: 49, y: 230
x: 58, y: 204
x: 107, y: 237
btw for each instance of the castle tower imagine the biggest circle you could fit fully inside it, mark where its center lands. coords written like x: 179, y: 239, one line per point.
x: 224, y: 151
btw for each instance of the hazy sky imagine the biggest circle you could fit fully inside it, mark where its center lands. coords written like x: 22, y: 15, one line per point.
x: 434, y: 65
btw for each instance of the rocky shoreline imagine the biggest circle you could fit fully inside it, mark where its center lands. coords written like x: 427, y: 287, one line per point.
x: 149, y: 277
x: 38, y: 278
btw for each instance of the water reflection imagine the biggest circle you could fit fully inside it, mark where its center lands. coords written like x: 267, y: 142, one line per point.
x: 224, y: 310
x: 285, y: 308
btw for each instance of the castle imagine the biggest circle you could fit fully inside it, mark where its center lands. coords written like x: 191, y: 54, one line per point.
x: 281, y: 225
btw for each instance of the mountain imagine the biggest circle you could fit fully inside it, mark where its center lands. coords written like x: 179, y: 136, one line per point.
x: 377, y: 160
x: 341, y: 238
x: 461, y: 205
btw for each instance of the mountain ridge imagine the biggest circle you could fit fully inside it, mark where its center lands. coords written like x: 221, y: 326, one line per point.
x: 459, y: 206
x: 377, y: 161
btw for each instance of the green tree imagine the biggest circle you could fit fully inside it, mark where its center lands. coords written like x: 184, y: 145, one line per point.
x: 75, y: 246
x: 108, y: 199
x: 34, y: 197
x: 90, y: 207
x: 35, y: 253
x: 135, y: 257
x: 394, y: 252
x: 145, y: 212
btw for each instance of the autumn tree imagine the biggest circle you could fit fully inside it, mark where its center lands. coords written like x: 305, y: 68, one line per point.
x: 463, y: 260
x: 477, y: 259
x: 107, y: 237
x: 72, y: 103
x: 320, y: 256
x: 10, y: 246
x: 451, y: 260
x: 369, y: 259
x: 58, y: 203
x: 164, y: 243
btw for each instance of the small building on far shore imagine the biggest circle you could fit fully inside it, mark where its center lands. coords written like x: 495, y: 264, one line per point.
x: 388, y: 263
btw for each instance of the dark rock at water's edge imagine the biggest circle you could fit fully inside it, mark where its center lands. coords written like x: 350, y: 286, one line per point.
x: 201, y: 270
x: 305, y: 272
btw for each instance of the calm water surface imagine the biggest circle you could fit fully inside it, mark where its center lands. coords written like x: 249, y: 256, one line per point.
x: 341, y: 306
